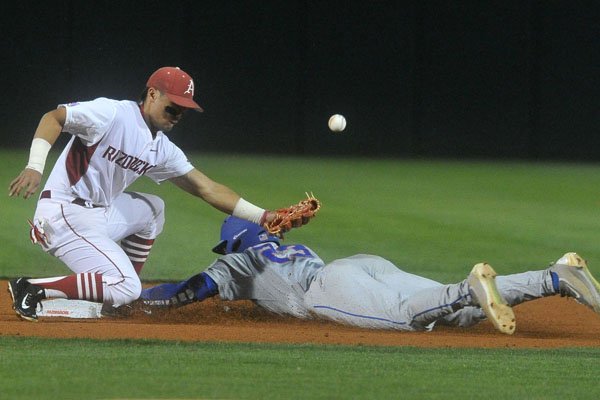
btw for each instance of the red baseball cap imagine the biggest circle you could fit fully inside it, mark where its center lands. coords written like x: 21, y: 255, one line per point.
x: 176, y: 84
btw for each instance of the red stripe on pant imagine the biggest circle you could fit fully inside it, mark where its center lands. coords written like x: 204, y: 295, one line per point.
x: 88, y: 282
x: 78, y: 286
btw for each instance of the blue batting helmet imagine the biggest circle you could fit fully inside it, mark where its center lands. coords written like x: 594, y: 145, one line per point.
x: 238, y: 234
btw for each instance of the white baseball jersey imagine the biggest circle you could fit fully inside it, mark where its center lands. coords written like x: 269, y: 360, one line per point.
x: 111, y: 147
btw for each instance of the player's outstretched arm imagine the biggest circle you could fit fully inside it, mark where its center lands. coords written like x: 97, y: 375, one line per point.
x: 215, y: 194
x: 221, y: 197
x: 46, y: 134
x: 196, y: 288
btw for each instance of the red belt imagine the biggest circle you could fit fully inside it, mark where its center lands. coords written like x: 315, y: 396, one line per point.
x: 47, y: 194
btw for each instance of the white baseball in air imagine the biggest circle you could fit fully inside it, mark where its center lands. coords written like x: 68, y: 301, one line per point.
x: 337, y: 123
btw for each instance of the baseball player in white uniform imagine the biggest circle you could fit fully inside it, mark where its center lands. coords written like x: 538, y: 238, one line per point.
x: 84, y: 216
x: 365, y: 290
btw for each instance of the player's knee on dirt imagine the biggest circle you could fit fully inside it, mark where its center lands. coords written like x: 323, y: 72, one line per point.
x: 121, y: 291
x: 464, y: 318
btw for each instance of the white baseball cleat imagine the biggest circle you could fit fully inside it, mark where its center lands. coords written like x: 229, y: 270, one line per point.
x: 575, y: 280
x: 485, y: 294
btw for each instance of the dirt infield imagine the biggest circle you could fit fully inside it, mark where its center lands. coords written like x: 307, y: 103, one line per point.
x: 546, y: 323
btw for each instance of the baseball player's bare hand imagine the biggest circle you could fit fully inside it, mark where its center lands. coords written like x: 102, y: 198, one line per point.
x: 269, y: 216
x: 27, y: 181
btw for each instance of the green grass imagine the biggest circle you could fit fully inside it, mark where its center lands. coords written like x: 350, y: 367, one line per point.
x: 434, y: 218
x: 152, y: 369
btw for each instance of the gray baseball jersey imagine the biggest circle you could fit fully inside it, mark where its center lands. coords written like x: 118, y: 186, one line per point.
x: 362, y: 290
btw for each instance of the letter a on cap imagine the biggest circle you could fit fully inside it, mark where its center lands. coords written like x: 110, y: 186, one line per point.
x: 176, y: 84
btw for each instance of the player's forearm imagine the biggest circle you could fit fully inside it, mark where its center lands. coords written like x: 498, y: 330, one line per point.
x: 226, y: 200
x: 221, y: 197
x: 215, y: 194
x: 45, y: 136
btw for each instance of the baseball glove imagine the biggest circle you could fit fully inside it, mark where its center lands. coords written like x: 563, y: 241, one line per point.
x: 293, y: 216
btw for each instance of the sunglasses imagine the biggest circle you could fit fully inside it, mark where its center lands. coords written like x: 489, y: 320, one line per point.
x: 173, y: 111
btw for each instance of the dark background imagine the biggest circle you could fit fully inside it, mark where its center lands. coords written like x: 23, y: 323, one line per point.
x: 469, y: 79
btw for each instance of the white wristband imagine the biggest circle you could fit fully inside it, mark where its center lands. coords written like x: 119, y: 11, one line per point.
x: 248, y: 211
x: 37, y: 154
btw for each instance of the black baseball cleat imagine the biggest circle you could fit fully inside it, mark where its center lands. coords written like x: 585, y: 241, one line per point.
x: 26, y: 297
